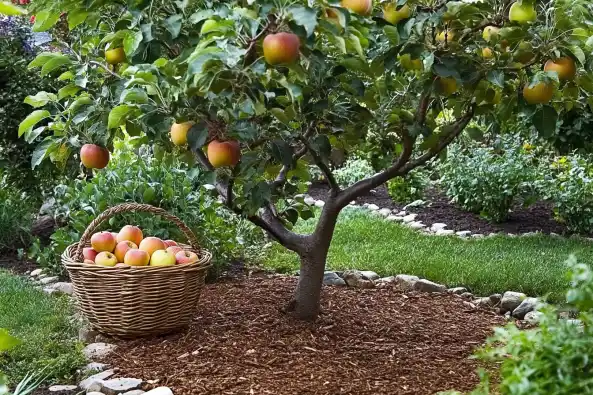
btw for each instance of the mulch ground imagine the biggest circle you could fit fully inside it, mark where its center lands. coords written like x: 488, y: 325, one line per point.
x: 378, y: 341
x: 535, y: 218
x: 12, y: 263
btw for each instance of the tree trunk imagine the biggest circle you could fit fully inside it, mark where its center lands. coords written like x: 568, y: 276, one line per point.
x: 307, y: 295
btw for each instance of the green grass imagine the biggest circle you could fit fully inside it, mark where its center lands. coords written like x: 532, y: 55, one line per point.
x: 46, y: 328
x: 534, y: 265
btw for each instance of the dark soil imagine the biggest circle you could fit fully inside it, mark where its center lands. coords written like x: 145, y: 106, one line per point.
x: 11, y: 262
x: 535, y: 218
x: 378, y: 341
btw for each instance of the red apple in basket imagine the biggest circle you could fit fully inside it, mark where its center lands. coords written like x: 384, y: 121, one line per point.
x: 106, y: 259
x: 185, y: 257
x: 174, y: 249
x: 130, y: 233
x: 89, y: 262
x: 89, y: 254
x: 170, y: 243
x: 122, y: 248
x: 151, y: 244
x: 136, y: 257
x: 103, y: 241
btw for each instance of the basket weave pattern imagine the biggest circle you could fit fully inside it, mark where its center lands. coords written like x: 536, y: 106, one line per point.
x: 136, y: 301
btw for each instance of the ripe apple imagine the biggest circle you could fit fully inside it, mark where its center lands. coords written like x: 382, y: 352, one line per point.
x: 130, y: 233
x: 361, y: 7
x: 332, y: 16
x: 392, y: 15
x: 408, y: 63
x: 115, y: 55
x: 93, y: 156
x: 106, y: 259
x: 565, y: 67
x: 184, y: 257
x: 152, y: 244
x: 487, y: 53
x: 541, y: 93
x: 224, y: 153
x: 122, y: 248
x: 446, y: 35
x: 162, y: 258
x: 174, y: 249
x: 179, y: 132
x: 136, y: 258
x: 170, y: 243
x: 103, y: 241
x: 448, y: 85
x: 522, y: 13
x: 89, y: 262
x: 281, y: 48
x: 89, y: 254
x: 489, y: 32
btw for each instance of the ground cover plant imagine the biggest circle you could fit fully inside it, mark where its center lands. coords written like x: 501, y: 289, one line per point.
x: 533, y: 265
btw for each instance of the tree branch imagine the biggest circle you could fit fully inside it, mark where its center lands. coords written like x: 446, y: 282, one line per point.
x: 252, y: 43
x: 106, y: 69
x: 335, y: 188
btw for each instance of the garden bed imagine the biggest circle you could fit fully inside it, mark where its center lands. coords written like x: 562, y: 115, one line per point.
x: 535, y: 218
x: 377, y: 341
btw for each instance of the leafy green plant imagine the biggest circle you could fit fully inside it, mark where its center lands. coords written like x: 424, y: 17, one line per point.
x: 554, y: 358
x: 489, y: 179
x: 354, y: 170
x: 406, y: 189
x: 16, y: 216
x: 136, y: 174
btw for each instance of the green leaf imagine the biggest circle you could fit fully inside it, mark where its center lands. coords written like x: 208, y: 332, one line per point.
x: 200, y: 16
x: 40, y: 153
x: 305, y: 17
x: 339, y: 42
x: 280, y: 115
x: 118, y: 116
x: 353, y: 42
x: 33, y: 134
x: 66, y: 76
x: 544, y: 120
x: 475, y: 133
x: 322, y: 145
x: 45, y: 20
x: 392, y: 34
x: 579, y: 54
x: 54, y: 63
x: 6, y: 341
x: 68, y: 90
x: 134, y: 95
x: 11, y: 10
x: 42, y: 59
x: 40, y: 99
x: 197, y: 136
x: 33, y: 119
x: 282, y: 152
x: 173, y: 25
x: 76, y: 17
x: 132, y: 41
x: 496, y: 77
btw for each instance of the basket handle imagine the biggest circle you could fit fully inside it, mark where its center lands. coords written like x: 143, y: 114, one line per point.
x: 129, y: 207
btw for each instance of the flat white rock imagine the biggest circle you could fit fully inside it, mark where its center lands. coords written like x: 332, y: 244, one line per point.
x: 410, y: 218
x: 117, y: 386
x: 87, y: 383
x: 48, y: 280
x: 385, y: 212
x: 62, y: 388
x: 437, y: 226
x: 36, y: 272
x: 319, y: 203
x: 98, y: 350
x: 464, y: 233
x: 373, y: 207
x: 445, y: 232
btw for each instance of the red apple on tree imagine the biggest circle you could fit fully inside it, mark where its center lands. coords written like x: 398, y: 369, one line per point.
x: 94, y: 156
x: 281, y: 48
x: 361, y: 7
x: 224, y: 153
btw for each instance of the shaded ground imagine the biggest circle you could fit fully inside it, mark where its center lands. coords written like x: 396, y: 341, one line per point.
x: 537, y: 217
x: 11, y: 262
x: 367, y: 342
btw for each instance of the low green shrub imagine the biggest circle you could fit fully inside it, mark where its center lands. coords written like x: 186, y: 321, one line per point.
x: 489, y: 179
x: 355, y: 169
x: 137, y: 175
x: 408, y: 188
x: 16, y: 215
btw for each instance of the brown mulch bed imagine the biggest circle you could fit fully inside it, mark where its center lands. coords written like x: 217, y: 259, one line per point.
x: 378, y: 341
x: 11, y: 262
x: 535, y: 218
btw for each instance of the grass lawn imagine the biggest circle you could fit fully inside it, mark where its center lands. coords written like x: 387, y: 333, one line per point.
x: 534, y: 265
x: 45, y: 326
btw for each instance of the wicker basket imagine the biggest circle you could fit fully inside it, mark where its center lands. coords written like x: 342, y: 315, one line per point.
x: 136, y: 301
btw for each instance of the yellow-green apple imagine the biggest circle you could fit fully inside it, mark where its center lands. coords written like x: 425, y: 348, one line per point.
x: 152, y: 244
x: 94, y: 156
x: 106, y: 259
x: 130, y: 233
x: 410, y: 64
x: 446, y: 35
x: 565, y: 67
x: 89, y: 262
x: 103, y: 241
x: 115, y: 55
x: 489, y: 32
x: 487, y: 53
x: 179, y: 132
x: 361, y: 7
x: 281, y: 48
x: 170, y: 243
x: 224, y: 153
x: 184, y: 257
x: 174, y: 249
x: 522, y: 13
x: 392, y: 15
x: 122, y: 248
x: 448, y: 85
x: 540, y: 93
x: 89, y: 254
x: 162, y: 258
x: 136, y: 258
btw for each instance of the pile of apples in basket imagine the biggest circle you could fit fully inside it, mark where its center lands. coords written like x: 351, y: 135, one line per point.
x: 130, y: 248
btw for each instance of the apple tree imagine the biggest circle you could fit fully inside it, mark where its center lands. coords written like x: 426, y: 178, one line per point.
x: 259, y: 90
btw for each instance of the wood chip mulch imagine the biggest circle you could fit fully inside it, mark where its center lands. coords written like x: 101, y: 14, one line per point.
x: 378, y: 341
